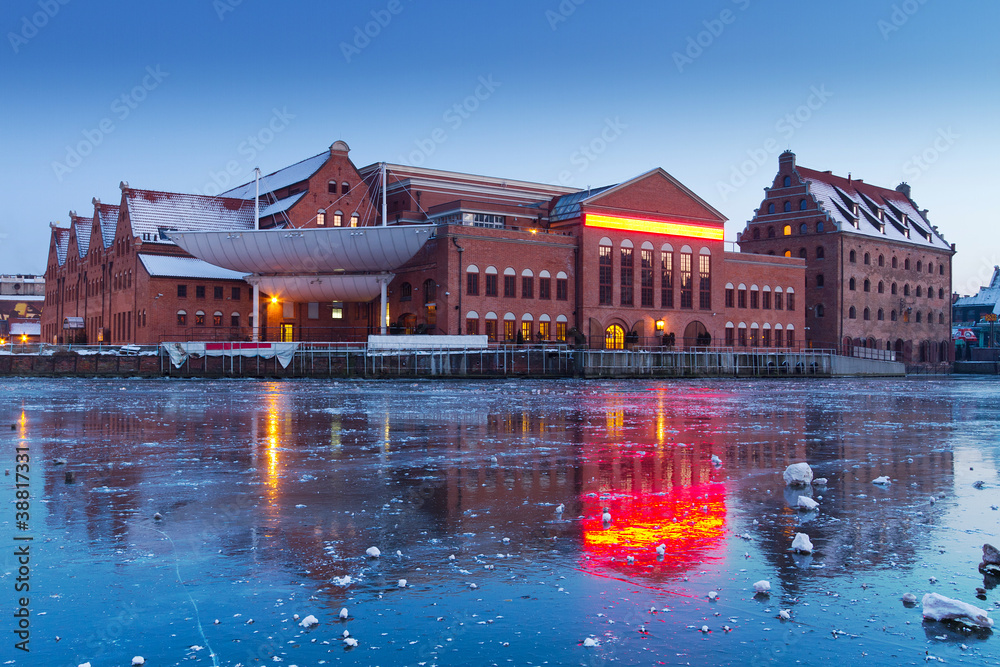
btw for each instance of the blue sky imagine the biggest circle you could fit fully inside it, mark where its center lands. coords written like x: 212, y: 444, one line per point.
x: 166, y: 94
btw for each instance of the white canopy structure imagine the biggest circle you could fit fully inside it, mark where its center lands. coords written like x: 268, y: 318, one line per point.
x: 319, y: 288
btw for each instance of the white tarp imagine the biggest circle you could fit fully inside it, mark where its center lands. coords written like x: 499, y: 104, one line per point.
x: 437, y: 343
x: 179, y: 352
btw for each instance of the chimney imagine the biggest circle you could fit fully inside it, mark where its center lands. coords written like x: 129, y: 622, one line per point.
x: 904, y: 189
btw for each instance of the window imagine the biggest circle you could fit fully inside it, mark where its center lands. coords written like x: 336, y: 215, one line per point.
x: 730, y: 335
x: 472, y: 281
x: 853, y: 257
x: 930, y: 267
x: 819, y: 228
x: 704, y: 281
x: 802, y: 206
x: 430, y: 291
x: 803, y: 228
x: 906, y: 264
x: 930, y: 292
x: 790, y: 300
x: 788, y: 207
x: 867, y: 314
x: 787, y: 181
x: 756, y: 233
x: 820, y: 252
x: 354, y: 220
x: 508, y: 327
x: 472, y: 324
x: 562, y: 286
x: 940, y: 269
x: 852, y: 284
x: 880, y: 315
x: 881, y: 287
x: 199, y: 292
x: 687, y: 287
x: 509, y: 283
x: 777, y: 337
x: 893, y: 289
x: 765, y: 340
x: 614, y: 338
x: 754, y: 297
x: 338, y: 219
x: 868, y: 259
x: 906, y: 290
x: 790, y: 338
x: 940, y: 293
x: 234, y: 320
x: 787, y: 253
x: 787, y: 229
x: 802, y: 253
x: 765, y: 302
x: 892, y: 315
x: 491, y: 327
x: 527, y: 285
x: 331, y: 187
x: 543, y: 329
x: 544, y: 286
x: 217, y: 319
x: 345, y: 187
x: 182, y: 291
x: 770, y: 208
x: 604, y: 274
x: 819, y: 280
x: 646, y: 276
x: 320, y: 218
x: 742, y: 296
x: 868, y: 285
x: 526, y: 330
x: 820, y: 311
x: 920, y: 266
x: 918, y: 317
x: 742, y: 336
x: 199, y: 318
x: 730, y: 296
x: 770, y: 230
x: 491, y: 281
x: 919, y: 291
x: 405, y: 292
x: 182, y: 318
x: 881, y: 260
x: 235, y: 294
x: 561, y: 330
x: 667, y: 277
x: 754, y: 335
x: 895, y: 263
x: 217, y: 293
x: 626, y: 272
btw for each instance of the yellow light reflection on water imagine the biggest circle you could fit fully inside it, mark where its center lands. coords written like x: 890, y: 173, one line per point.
x: 272, y: 434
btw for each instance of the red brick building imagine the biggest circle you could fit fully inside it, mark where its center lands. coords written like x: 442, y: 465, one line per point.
x: 878, y: 274
x: 638, y: 263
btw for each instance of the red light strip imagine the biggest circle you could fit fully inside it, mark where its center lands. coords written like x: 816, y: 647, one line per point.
x: 653, y: 226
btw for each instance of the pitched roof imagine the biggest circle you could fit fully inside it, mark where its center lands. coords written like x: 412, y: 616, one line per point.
x: 107, y: 216
x: 567, y: 207
x: 151, y: 211
x: 987, y: 296
x: 60, y: 236
x: 185, y: 267
x: 882, y: 213
x: 295, y: 173
x: 83, y: 228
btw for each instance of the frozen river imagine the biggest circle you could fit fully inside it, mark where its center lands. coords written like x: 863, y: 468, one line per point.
x: 201, y: 522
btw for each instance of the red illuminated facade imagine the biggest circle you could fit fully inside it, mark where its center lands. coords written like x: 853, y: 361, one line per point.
x: 638, y: 263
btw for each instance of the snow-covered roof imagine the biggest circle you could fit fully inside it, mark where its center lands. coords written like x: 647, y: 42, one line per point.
x: 295, y: 173
x: 987, y: 296
x: 26, y: 328
x: 107, y: 216
x: 882, y: 213
x: 151, y: 211
x: 21, y: 298
x: 61, y: 238
x: 83, y: 227
x: 185, y: 267
x: 281, y: 206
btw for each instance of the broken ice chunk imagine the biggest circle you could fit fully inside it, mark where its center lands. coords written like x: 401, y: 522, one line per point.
x: 806, y: 503
x: 909, y: 598
x: 762, y: 586
x: 802, y: 544
x: 820, y: 481
x: 939, y: 608
x: 373, y: 552
x: 991, y: 559
x: 590, y: 641
x: 309, y: 621
x: 882, y: 481
x: 798, y: 474
x: 716, y: 460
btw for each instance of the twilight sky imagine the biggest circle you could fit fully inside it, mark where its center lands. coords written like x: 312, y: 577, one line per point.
x: 168, y: 94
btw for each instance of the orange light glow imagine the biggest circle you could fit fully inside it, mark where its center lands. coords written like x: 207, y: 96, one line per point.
x: 274, y: 299
x: 651, y: 226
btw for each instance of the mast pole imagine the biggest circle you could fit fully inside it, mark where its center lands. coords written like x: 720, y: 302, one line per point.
x: 384, y: 305
x: 256, y: 286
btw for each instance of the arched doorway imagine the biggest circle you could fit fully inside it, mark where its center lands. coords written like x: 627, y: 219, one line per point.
x: 614, y: 337
x: 696, y: 335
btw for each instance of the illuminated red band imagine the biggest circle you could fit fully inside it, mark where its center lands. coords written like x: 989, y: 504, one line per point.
x: 653, y: 226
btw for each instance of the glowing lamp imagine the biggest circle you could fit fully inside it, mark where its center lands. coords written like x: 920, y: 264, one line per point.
x: 274, y: 300
x: 654, y: 226
x: 24, y: 338
x: 659, y: 325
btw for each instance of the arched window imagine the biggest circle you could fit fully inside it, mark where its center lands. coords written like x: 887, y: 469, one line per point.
x: 852, y: 313
x: 852, y: 284
x: 331, y: 187
x: 320, y: 218
x: 820, y: 311
x: 472, y: 323
x: 345, y: 187
x: 430, y: 291
x: 820, y: 280
x: 508, y: 326
x: 217, y: 318
x: 491, y: 281
x: 881, y: 260
x: 788, y: 207
x: 354, y: 219
x: 234, y: 320
x: 893, y: 289
x: 338, y: 219
x: 787, y: 181
x: 614, y: 338
x: 895, y: 263
x: 803, y: 204
x: 940, y: 318
x: 182, y: 318
x: 544, y: 327
x: 881, y: 314
x: 853, y: 257
x: 787, y: 253
x: 906, y: 264
x: 787, y: 230
x: 756, y: 233
x: 405, y: 292
x: 527, y: 324
x: 881, y: 287
x: 803, y: 228
x: 491, y: 326
x: 867, y: 314
x: 930, y: 267
x: 868, y: 258
x: 919, y: 315
x: 920, y: 266
x: 741, y: 296
x: 820, y: 252
x: 906, y: 290
x: 770, y: 232
x: 919, y: 291
x: 892, y: 315
x: 940, y: 293
x: 472, y: 280
x: 687, y: 277
x: 527, y: 284
x: 819, y: 226
x: 770, y: 208
x: 868, y: 285
x: 802, y: 253
x: 199, y: 318
x: 509, y: 283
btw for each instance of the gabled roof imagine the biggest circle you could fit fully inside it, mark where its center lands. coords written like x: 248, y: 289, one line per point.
x: 151, y: 211
x: 295, y: 173
x: 82, y: 227
x: 698, y: 208
x: 987, y: 296
x: 185, y: 267
x: 567, y: 207
x: 60, y: 237
x: 107, y: 217
x: 900, y: 219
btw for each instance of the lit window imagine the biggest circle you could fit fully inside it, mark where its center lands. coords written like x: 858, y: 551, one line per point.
x: 354, y: 220
x: 337, y: 310
x: 320, y: 218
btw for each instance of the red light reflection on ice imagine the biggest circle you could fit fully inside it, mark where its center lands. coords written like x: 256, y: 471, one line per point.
x: 689, y: 521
